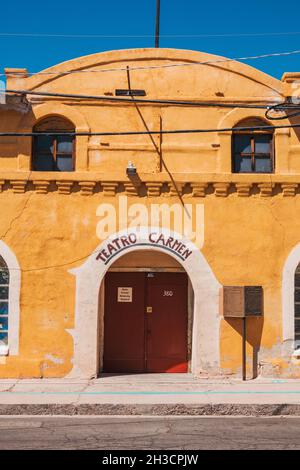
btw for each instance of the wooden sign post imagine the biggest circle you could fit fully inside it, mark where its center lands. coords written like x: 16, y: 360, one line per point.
x: 243, y: 302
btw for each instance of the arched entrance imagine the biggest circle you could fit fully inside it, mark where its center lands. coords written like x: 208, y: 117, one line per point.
x: 89, y: 301
x: 290, y: 297
x: 148, y: 307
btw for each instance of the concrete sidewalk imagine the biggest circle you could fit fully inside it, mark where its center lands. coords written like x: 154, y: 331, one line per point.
x: 150, y: 394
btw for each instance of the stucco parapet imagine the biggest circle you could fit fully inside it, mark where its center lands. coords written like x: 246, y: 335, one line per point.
x: 133, y: 57
x: 289, y: 80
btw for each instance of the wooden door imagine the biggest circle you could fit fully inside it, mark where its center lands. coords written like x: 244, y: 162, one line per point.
x: 166, y: 322
x: 145, y: 324
x: 124, y: 329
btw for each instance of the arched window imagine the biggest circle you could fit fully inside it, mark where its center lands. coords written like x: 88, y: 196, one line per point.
x: 54, y: 152
x: 4, y: 302
x: 297, y: 308
x: 252, y: 150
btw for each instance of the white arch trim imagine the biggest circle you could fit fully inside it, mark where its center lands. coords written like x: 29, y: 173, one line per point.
x: 288, y: 286
x: 206, y: 318
x: 13, y: 300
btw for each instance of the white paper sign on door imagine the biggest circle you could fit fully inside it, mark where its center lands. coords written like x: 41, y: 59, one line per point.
x: 124, y: 294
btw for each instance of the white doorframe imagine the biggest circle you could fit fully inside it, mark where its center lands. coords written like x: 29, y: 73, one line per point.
x: 206, y: 317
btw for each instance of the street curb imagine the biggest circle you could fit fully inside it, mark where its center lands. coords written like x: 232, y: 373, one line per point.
x: 280, y: 409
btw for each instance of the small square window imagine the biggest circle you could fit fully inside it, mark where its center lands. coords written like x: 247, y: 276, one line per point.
x: 252, y: 153
x: 49, y: 150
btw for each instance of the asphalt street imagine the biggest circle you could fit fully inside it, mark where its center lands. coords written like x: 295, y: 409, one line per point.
x: 149, y: 433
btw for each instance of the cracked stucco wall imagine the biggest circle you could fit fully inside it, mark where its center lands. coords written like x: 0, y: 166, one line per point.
x: 246, y: 239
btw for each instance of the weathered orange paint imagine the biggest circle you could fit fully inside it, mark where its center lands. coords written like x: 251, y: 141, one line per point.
x: 247, y: 239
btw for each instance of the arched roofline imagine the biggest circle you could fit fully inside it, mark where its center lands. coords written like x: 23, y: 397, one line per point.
x: 112, y: 58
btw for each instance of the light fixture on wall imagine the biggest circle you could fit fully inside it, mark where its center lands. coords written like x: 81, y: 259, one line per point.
x: 131, y: 169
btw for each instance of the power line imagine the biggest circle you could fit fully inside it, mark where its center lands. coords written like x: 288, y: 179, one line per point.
x: 152, y: 67
x: 283, y: 106
x: 277, y: 108
x: 150, y: 36
x: 160, y: 132
x: 139, y: 100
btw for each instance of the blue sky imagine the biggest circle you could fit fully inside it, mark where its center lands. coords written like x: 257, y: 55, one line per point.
x: 137, y: 17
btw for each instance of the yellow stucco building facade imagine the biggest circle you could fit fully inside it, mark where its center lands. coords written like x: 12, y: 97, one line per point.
x: 87, y: 207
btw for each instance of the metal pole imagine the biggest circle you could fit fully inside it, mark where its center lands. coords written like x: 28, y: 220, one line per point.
x: 157, y: 23
x: 244, y: 347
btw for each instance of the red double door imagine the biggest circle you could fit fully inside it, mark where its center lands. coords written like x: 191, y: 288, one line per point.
x: 145, y: 322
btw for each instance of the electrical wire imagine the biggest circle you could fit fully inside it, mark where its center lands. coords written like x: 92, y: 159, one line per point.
x: 283, y: 106
x: 150, y: 36
x: 43, y: 268
x: 140, y: 100
x: 160, y: 132
x: 152, y: 67
x: 270, y: 108
x: 279, y: 108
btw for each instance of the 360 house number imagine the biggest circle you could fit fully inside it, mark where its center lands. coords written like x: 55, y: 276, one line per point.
x: 168, y: 293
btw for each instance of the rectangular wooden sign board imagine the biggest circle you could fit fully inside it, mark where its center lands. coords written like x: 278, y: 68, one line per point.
x: 124, y: 294
x: 242, y: 301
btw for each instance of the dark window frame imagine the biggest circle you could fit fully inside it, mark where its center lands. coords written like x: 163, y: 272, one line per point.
x: 253, y: 155
x: 54, y: 142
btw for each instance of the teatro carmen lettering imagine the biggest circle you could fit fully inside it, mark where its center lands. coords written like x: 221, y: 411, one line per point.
x: 169, y: 243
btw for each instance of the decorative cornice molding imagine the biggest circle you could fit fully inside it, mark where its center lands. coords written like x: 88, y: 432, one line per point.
x: 286, y: 186
x: 221, y: 189
x: 18, y: 186
x: 288, y: 189
x: 109, y: 188
x: 131, y: 189
x: 198, y: 189
x: 87, y: 187
x: 266, y: 189
x: 153, y: 189
x: 175, y: 188
x: 64, y: 187
x: 243, y: 189
x: 41, y: 186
